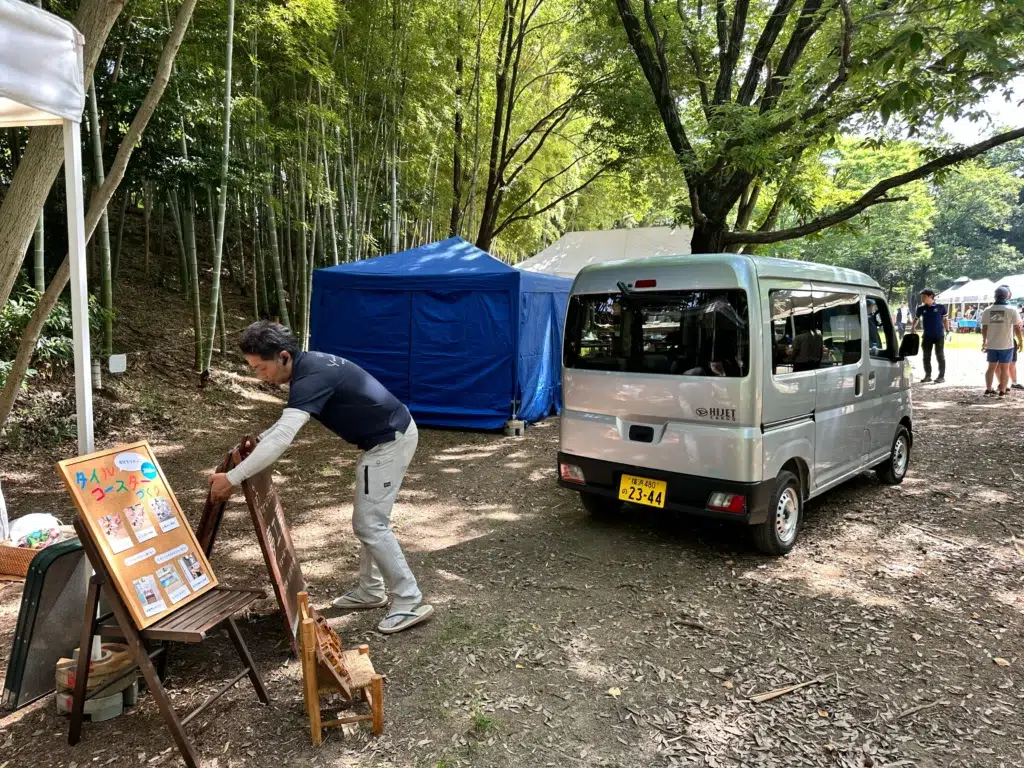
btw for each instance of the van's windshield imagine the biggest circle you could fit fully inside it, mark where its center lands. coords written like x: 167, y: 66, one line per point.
x: 680, y: 333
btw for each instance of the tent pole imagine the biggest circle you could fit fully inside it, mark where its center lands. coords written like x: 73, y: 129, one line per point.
x: 79, y: 292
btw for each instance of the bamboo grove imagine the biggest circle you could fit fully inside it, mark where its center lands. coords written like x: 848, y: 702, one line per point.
x: 295, y: 135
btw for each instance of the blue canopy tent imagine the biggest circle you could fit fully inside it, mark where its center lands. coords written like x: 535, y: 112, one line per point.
x: 460, y: 337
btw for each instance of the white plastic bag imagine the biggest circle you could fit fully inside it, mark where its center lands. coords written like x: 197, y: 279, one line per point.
x: 45, y: 527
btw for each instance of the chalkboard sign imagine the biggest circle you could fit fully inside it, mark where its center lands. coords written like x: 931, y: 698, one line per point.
x: 139, y: 530
x: 271, y: 527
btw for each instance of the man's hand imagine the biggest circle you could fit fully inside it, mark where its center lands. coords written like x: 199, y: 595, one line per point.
x: 220, y: 487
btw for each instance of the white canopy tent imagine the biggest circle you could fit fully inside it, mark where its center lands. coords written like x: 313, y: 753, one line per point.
x: 978, y: 291
x: 1016, y: 285
x: 576, y: 250
x: 42, y: 82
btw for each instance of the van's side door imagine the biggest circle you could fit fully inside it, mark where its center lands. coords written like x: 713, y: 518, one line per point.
x: 885, y: 378
x: 841, y: 428
x: 787, y: 408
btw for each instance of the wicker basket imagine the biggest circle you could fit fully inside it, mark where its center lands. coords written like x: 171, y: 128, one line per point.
x: 14, y: 561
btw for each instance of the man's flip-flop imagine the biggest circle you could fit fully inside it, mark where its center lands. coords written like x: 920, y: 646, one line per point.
x: 350, y: 601
x: 388, y: 626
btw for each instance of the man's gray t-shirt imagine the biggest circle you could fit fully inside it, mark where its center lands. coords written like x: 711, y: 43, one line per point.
x: 1000, y: 319
x: 346, y: 399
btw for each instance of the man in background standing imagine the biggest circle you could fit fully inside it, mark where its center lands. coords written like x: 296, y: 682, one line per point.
x: 901, y: 321
x: 935, y: 324
x: 1000, y: 327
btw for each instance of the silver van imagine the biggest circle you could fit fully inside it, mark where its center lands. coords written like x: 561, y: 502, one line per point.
x: 730, y: 386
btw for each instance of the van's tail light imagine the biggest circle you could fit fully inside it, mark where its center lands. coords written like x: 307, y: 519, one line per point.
x: 645, y: 284
x: 571, y: 473
x: 728, y: 502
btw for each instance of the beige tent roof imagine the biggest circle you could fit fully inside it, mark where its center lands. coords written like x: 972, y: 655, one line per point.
x: 576, y: 250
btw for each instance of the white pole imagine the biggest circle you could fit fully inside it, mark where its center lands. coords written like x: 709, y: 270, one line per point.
x: 79, y: 292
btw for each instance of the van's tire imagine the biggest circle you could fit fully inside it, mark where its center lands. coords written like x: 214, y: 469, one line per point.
x: 777, y: 535
x: 600, y: 507
x: 894, y: 468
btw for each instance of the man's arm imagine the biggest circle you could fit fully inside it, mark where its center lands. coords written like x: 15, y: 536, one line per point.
x: 945, y: 319
x: 913, y: 323
x: 273, y: 443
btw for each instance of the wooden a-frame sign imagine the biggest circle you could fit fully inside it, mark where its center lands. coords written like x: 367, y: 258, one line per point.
x: 142, y: 535
x: 271, y: 531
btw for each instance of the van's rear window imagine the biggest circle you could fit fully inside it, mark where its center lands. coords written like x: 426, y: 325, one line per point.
x: 679, y: 333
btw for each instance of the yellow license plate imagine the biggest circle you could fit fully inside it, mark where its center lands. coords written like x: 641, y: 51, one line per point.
x: 640, y: 490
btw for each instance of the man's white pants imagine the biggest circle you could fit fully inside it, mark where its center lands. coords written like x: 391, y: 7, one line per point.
x: 379, y: 476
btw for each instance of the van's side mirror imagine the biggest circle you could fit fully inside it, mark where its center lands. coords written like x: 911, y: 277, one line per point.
x: 910, y: 345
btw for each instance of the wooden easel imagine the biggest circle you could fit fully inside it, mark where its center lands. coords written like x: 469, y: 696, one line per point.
x: 327, y: 669
x: 190, y: 624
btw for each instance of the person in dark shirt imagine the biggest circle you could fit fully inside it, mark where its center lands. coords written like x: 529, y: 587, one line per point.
x: 935, y: 324
x: 360, y: 410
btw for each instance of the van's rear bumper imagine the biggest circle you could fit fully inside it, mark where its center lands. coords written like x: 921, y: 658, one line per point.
x: 686, y: 493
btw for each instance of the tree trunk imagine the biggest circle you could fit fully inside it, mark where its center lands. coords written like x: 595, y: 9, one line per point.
x: 147, y: 205
x: 179, y: 232
x: 192, y: 261
x: 275, y: 257
x: 456, y: 217
x: 106, y: 280
x: 342, y: 207
x: 708, y: 237
x: 30, y: 336
x: 222, y: 201
x: 44, y: 154
x: 120, y: 236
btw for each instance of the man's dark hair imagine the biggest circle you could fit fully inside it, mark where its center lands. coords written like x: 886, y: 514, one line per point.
x: 928, y: 292
x: 268, y: 340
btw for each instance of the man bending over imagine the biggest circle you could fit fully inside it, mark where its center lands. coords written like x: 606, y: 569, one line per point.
x: 358, y: 409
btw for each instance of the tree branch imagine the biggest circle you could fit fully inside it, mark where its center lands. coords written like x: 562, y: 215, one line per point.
x: 730, y: 56
x: 657, y: 76
x: 877, y: 193
x: 764, y: 46
x: 810, y: 21
x: 559, y: 199
x: 692, y: 50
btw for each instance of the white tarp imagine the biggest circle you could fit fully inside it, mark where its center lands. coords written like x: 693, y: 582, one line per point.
x: 979, y: 291
x: 41, y: 67
x: 576, y: 250
x: 1016, y: 285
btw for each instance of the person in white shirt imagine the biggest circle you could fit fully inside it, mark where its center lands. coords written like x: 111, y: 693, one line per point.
x: 1000, y: 327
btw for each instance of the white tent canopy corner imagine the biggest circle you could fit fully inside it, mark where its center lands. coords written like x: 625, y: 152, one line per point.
x: 576, y: 250
x: 1016, y: 285
x: 42, y: 82
x: 978, y: 291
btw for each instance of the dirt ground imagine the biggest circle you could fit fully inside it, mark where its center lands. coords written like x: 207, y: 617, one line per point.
x: 561, y: 641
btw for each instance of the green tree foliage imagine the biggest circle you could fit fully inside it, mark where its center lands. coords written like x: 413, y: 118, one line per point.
x: 890, y: 242
x: 977, y: 206
x: 742, y: 90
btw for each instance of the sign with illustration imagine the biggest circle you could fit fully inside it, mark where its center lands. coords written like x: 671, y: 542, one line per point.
x: 139, y: 529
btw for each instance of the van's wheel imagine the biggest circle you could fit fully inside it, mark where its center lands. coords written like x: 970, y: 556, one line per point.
x: 777, y: 534
x: 894, y: 468
x: 600, y: 507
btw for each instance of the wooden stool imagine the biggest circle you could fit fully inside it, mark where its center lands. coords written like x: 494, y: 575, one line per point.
x: 328, y: 670
x: 191, y: 624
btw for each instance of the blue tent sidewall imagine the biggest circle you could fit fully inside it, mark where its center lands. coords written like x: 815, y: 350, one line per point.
x: 451, y: 331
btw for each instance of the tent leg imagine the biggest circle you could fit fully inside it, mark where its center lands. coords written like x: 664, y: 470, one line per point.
x: 79, y: 289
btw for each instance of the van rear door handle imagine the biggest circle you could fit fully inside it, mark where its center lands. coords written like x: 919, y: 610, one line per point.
x: 871, y: 382
x: 858, y: 385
